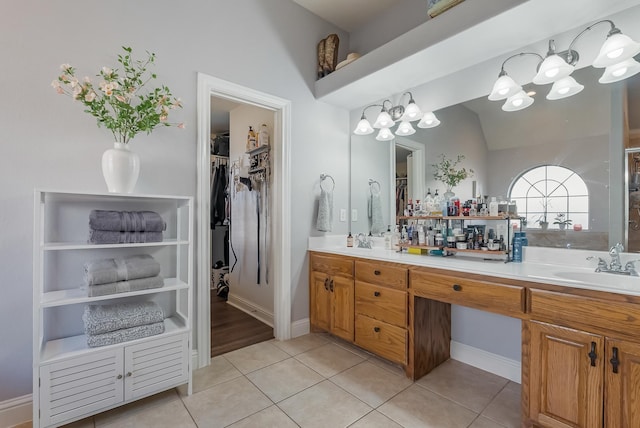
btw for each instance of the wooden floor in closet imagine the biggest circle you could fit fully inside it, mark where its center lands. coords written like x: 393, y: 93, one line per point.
x: 233, y: 329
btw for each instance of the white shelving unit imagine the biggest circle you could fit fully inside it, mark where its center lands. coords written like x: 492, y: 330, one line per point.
x: 71, y: 380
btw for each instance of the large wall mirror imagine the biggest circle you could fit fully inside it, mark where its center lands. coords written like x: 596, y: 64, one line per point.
x: 580, y: 133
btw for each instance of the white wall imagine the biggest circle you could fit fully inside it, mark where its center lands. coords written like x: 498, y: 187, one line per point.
x: 244, y: 226
x: 47, y: 141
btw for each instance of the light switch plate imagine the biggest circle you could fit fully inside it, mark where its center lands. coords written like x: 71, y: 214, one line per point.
x: 343, y: 214
x: 354, y: 215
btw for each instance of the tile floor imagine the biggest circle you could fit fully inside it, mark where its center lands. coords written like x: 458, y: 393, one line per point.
x: 319, y: 381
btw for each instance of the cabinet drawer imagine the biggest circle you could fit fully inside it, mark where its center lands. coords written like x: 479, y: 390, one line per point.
x: 601, y: 315
x: 485, y: 295
x: 382, y: 303
x: 385, y: 340
x: 332, y: 265
x: 376, y: 273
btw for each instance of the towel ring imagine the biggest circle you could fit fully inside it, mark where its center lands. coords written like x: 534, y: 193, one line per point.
x: 372, y: 186
x: 324, y: 177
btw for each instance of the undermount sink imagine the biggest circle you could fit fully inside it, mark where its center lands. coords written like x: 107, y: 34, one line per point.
x: 602, y: 279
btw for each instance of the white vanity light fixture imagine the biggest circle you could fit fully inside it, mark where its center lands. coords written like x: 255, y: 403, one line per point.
x: 616, y: 56
x: 517, y: 102
x: 389, y: 116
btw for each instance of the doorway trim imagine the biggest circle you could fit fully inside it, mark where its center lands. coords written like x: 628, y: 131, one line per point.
x: 209, y: 86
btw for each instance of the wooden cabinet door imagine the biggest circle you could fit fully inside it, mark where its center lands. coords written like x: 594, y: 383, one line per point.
x: 155, y: 365
x: 80, y: 386
x: 622, y: 384
x: 320, y: 299
x: 566, y: 377
x: 342, y: 315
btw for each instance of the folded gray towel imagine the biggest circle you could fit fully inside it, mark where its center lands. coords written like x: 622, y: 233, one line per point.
x: 125, y: 335
x: 125, y: 286
x: 104, y: 271
x: 325, y: 211
x: 105, y: 318
x: 126, y: 221
x: 375, y: 214
x: 112, y: 237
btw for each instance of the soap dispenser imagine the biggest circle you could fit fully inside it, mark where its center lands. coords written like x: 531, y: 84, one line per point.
x: 387, y: 238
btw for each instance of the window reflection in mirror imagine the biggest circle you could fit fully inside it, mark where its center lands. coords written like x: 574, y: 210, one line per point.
x: 500, y: 146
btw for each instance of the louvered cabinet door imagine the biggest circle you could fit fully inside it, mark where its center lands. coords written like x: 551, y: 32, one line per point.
x: 80, y: 386
x: 155, y: 365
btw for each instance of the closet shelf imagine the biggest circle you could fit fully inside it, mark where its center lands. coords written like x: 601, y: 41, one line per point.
x: 77, y: 295
x: 58, y: 246
x: 77, y: 345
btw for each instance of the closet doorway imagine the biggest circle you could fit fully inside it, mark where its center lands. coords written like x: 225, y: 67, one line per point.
x: 240, y: 225
x: 280, y: 268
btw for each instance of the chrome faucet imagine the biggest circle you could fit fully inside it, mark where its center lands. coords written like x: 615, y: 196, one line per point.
x: 615, y: 266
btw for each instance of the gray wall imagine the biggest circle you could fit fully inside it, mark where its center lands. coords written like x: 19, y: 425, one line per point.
x: 47, y: 141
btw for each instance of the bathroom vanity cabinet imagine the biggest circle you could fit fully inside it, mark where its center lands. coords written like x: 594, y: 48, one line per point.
x: 70, y: 379
x: 580, y: 347
x: 332, y: 295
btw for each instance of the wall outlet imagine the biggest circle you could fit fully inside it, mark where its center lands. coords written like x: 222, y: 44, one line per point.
x: 354, y: 215
x: 343, y: 214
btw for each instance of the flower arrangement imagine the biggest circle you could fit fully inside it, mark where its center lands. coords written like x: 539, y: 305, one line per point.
x: 117, y: 101
x: 446, y: 172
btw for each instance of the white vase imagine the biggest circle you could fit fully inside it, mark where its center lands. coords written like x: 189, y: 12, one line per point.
x: 120, y: 167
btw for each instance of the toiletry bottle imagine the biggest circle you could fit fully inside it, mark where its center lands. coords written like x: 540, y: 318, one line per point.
x: 251, y: 139
x: 387, y: 238
x: 350, y: 240
x: 493, y: 207
x: 263, y: 136
x: 427, y: 204
x: 395, y: 239
x: 403, y: 234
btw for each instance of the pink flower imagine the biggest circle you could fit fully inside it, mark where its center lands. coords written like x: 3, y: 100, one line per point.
x: 60, y: 90
x: 181, y: 125
x: 163, y: 118
x: 55, y: 84
x: 90, y: 97
x: 107, y: 71
x: 121, y: 98
x: 66, y: 68
x: 86, y: 79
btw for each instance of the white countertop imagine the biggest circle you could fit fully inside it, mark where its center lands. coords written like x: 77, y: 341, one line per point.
x: 557, y: 266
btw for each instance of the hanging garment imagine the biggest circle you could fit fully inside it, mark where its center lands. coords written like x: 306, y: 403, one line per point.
x: 218, y: 196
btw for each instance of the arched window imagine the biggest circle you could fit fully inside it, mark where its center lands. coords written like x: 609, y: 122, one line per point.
x: 545, y: 192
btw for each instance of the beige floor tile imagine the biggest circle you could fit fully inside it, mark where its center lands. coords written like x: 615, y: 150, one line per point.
x: 271, y: 417
x: 27, y: 424
x: 129, y: 410
x: 284, y: 379
x: 464, y: 384
x: 370, y: 383
x: 352, y: 348
x: 418, y: 407
x: 302, y: 344
x: 329, y: 359
x: 220, y: 370
x: 256, y: 356
x: 483, y: 422
x: 505, y: 408
x: 82, y: 423
x: 387, y: 365
x: 226, y: 403
x: 168, y: 415
x: 375, y: 419
x: 324, y: 405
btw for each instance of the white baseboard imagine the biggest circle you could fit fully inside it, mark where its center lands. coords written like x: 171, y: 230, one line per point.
x: 16, y: 411
x: 300, y: 328
x: 492, y: 363
x: 252, y: 309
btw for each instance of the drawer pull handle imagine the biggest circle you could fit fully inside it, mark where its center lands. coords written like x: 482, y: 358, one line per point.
x: 129, y: 374
x: 376, y: 329
x: 457, y: 287
x: 326, y: 284
x: 614, y: 360
x: 331, y: 285
x: 376, y: 293
x: 376, y: 272
x: 119, y: 376
x: 592, y: 354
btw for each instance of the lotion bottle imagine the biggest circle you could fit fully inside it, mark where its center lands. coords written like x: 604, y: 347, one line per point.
x: 493, y: 207
x: 387, y: 238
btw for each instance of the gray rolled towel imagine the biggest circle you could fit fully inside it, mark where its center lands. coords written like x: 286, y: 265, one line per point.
x: 126, y: 221
x: 126, y: 286
x: 325, y: 211
x: 112, y: 237
x: 105, y: 318
x: 124, y: 335
x: 104, y: 271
